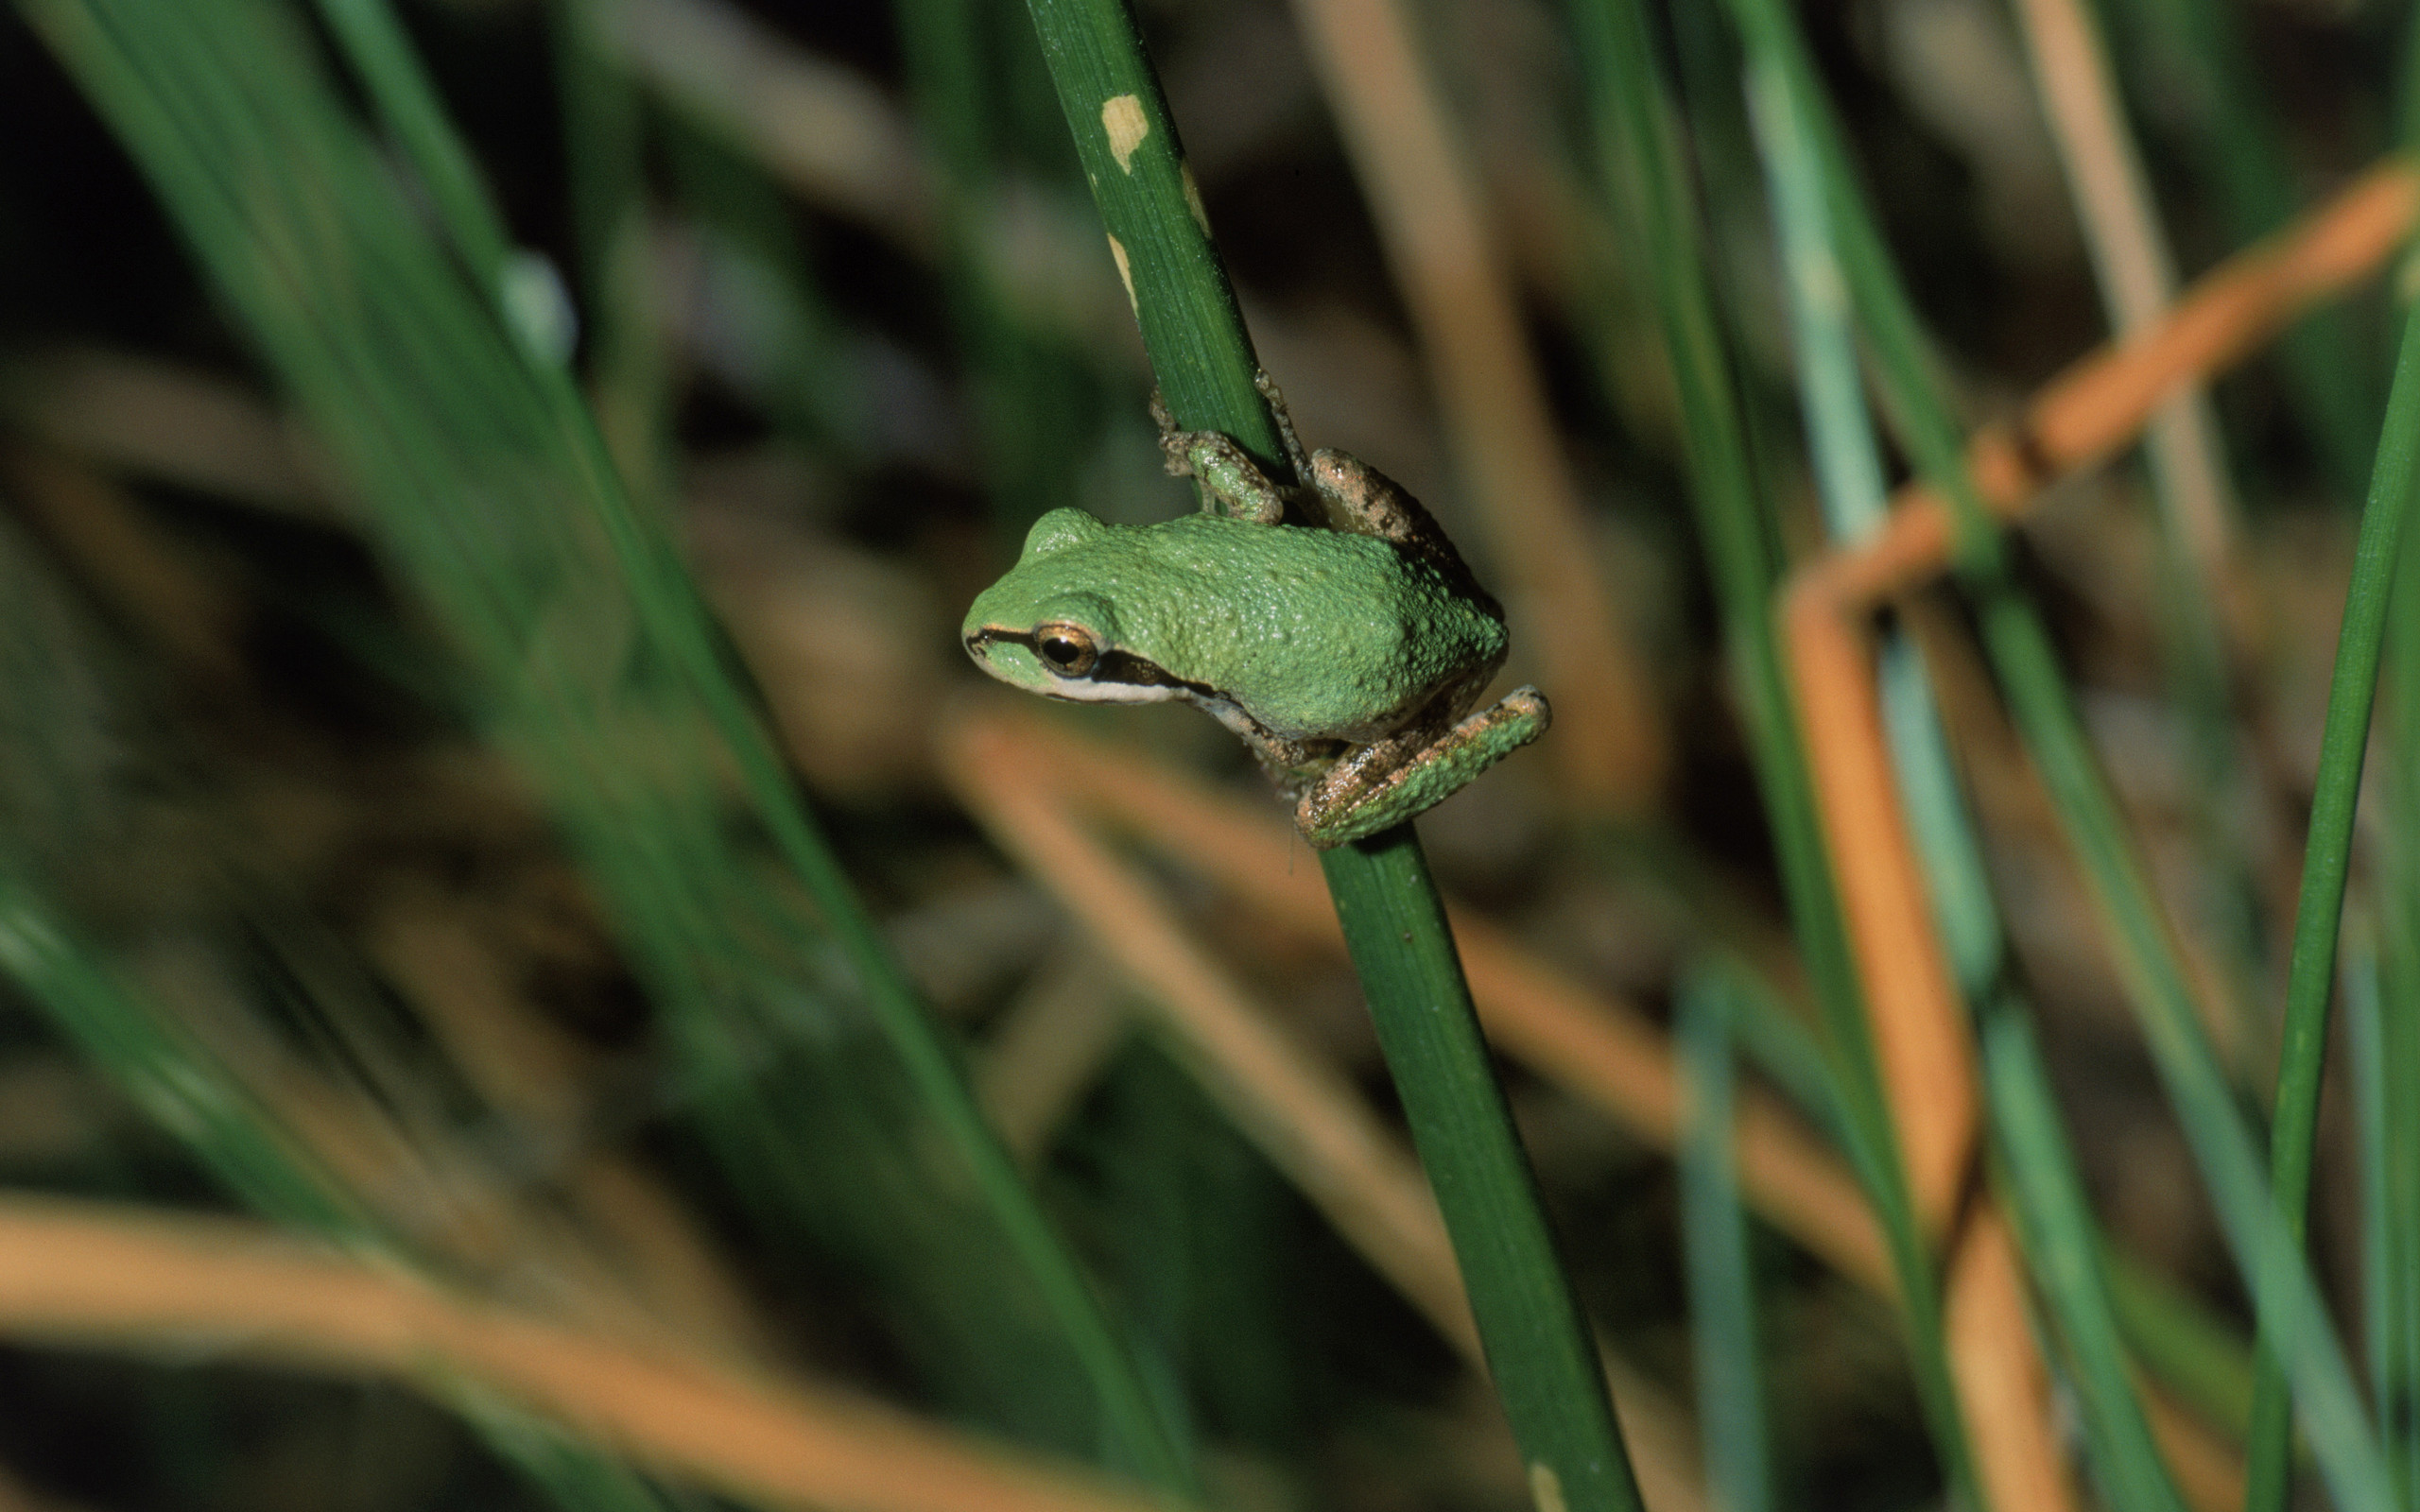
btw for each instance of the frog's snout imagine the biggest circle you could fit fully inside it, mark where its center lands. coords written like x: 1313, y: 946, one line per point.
x: 978, y: 641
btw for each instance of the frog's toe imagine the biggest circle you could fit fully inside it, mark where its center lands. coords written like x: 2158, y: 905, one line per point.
x: 1383, y: 787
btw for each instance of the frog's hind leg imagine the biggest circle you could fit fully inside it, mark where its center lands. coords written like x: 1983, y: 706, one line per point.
x: 1396, y: 778
x: 1366, y: 501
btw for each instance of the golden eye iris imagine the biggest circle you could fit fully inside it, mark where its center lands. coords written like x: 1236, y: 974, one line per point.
x: 1068, y: 649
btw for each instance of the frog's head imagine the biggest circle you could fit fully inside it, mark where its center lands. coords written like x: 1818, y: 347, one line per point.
x: 1047, y: 628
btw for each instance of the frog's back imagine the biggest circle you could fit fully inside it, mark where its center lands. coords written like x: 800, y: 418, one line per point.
x: 1314, y: 633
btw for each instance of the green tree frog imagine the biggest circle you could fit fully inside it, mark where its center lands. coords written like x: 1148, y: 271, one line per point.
x: 1347, y: 650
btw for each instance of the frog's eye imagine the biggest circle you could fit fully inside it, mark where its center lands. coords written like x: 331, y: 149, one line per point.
x: 1069, y: 648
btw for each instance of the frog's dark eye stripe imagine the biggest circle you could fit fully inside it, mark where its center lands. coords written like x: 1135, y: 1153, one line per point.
x: 1101, y: 666
x: 1069, y: 648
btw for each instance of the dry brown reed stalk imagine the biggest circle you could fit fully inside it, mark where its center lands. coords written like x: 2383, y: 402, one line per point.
x: 88, y: 1274
x: 418, y: 1179
x: 1921, y: 1039
x: 1598, y: 1049
x: 1293, y: 1105
x: 382, y: 1149
x: 1612, y: 745
x: 2136, y: 272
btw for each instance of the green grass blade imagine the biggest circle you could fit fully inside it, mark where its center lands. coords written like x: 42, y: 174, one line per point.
x: 2062, y: 1252
x: 1539, y: 1347
x: 2197, y: 1086
x: 830, y: 1097
x: 2326, y: 858
x: 1640, y: 156
x: 1714, y: 1234
x: 1780, y: 1044
x: 389, y: 69
x: 2197, y: 1355
x: 2382, y: 1285
x: 2394, y: 1281
x: 169, y: 1075
x: 1849, y: 478
x: 1159, y: 234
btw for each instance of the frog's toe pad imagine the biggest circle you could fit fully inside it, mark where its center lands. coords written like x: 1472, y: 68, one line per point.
x: 1381, y: 787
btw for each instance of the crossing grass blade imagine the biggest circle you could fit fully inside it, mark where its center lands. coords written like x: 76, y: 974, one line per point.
x: 2062, y: 1252
x: 1539, y: 1347
x: 1713, y: 1236
x: 834, y: 1107
x: 2197, y: 1356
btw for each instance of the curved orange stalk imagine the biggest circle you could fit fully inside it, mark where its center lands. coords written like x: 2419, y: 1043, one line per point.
x: 1920, y: 1031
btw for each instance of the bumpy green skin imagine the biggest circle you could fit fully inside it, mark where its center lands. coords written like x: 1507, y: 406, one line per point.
x: 1315, y: 634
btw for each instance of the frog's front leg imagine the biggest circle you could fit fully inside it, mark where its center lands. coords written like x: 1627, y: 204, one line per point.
x: 1231, y: 483
x: 1394, y: 780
